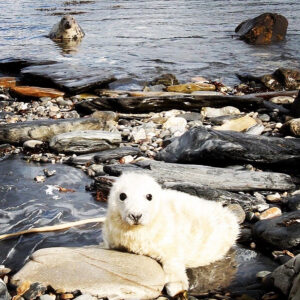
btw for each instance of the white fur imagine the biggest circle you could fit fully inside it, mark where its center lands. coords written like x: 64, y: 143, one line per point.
x: 66, y: 29
x: 179, y: 230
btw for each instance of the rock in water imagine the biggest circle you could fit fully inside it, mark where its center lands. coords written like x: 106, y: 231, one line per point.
x: 85, y: 141
x: 201, y: 145
x: 3, y: 291
x: 66, y: 29
x: 115, y: 274
x: 264, y: 29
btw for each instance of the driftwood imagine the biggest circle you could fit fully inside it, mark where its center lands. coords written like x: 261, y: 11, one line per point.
x: 201, y: 145
x: 161, y: 103
x: 52, y: 227
x: 206, y: 177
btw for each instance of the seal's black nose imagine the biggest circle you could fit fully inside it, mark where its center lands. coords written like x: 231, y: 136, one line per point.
x: 68, y: 25
x: 135, y: 218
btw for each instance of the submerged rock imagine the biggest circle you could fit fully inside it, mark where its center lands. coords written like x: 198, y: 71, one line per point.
x: 114, y: 274
x: 281, y: 232
x: 85, y: 141
x: 200, y: 145
x: 165, y: 79
x: 264, y: 29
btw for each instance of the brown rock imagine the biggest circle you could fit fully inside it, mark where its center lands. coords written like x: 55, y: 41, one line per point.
x: 264, y: 29
x: 165, y: 79
x: 270, y: 213
x: 191, y: 87
x: 240, y: 124
x: 36, y: 92
x: 289, y: 78
x: 7, y: 82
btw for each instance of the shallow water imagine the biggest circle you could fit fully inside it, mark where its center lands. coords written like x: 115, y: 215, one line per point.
x: 25, y: 203
x: 141, y: 39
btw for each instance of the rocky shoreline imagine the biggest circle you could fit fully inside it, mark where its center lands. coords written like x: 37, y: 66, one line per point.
x: 237, y: 145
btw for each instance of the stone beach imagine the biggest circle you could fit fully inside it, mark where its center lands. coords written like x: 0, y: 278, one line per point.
x: 208, y: 148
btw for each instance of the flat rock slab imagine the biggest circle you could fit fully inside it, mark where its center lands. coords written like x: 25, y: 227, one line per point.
x: 85, y: 141
x: 161, y: 103
x: 36, y: 92
x: 44, y: 130
x: 71, y: 78
x: 204, y: 176
x: 7, y: 82
x: 201, y: 145
x: 281, y: 232
x: 95, y: 271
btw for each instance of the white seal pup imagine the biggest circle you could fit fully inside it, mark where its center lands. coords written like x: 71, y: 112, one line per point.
x: 66, y: 29
x: 178, y: 230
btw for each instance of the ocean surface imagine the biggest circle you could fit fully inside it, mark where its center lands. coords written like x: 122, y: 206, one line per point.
x: 140, y: 39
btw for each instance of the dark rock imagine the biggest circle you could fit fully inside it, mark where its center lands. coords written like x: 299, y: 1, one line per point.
x: 293, y: 203
x: 165, y: 79
x: 3, y: 291
x: 161, y: 103
x: 44, y: 130
x: 249, y: 263
x: 213, y: 277
x: 286, y: 278
x: 295, y: 109
x: 289, y: 78
x: 102, y: 156
x: 115, y: 154
x: 67, y: 77
x: 264, y: 29
x: 206, y: 177
x: 281, y: 232
x: 35, y: 290
x: 200, y: 145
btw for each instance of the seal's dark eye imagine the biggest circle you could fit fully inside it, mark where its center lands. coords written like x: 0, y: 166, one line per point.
x: 149, y: 197
x: 123, y: 196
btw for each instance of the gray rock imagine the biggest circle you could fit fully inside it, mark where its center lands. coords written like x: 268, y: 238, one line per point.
x: 192, y: 116
x: 200, y: 145
x: 281, y: 232
x: 293, y: 203
x: 206, y: 177
x: 3, y: 291
x: 256, y: 129
x: 95, y: 271
x: 44, y: 130
x: 35, y: 290
x: 85, y: 141
x: 238, y: 211
x: 286, y: 277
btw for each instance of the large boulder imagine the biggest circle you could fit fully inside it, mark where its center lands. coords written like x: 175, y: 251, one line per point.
x: 264, y: 29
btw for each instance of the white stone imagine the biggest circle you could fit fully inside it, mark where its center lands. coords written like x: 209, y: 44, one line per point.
x: 32, y: 144
x: 175, y: 124
x: 211, y: 112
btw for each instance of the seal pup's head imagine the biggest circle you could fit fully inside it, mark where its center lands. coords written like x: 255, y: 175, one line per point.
x: 134, y: 197
x: 66, y: 29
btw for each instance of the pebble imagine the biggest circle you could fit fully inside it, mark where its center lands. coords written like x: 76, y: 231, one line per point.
x: 175, y: 124
x: 270, y: 213
x: 66, y: 296
x: 262, y: 274
x: 49, y: 173
x: 35, y: 290
x: 274, y: 197
x: 238, y: 211
x: 40, y: 178
x: 47, y: 297
x: 85, y: 297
